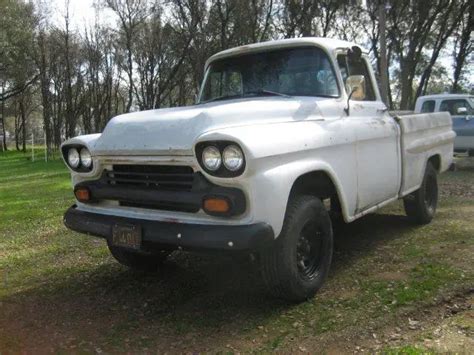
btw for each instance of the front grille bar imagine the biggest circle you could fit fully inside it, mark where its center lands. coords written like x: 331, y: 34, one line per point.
x: 162, y: 177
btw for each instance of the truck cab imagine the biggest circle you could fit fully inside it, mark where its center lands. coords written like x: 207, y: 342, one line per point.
x: 284, y: 135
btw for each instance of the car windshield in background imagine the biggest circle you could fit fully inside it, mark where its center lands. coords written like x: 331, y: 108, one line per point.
x: 304, y: 71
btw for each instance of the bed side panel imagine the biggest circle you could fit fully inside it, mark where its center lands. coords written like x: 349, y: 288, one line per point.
x: 423, y: 136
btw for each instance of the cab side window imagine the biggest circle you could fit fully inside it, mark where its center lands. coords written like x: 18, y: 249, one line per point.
x: 348, y: 68
x: 428, y: 106
x: 452, y: 106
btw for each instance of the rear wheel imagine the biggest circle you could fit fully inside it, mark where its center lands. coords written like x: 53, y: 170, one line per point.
x: 148, y: 262
x: 297, y: 265
x: 421, y: 205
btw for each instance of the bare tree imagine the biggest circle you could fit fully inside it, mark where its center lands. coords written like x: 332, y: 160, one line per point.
x: 155, y: 56
x: 131, y: 14
x: 444, y: 28
x: 463, y: 48
x: 410, y: 39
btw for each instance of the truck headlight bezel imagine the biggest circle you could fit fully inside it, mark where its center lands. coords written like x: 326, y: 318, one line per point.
x: 227, y: 151
x: 84, y: 162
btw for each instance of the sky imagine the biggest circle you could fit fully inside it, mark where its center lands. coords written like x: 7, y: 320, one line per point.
x: 81, y: 12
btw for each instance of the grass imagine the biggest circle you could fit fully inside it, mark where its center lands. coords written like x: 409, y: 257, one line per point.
x: 62, y: 291
x: 423, y: 282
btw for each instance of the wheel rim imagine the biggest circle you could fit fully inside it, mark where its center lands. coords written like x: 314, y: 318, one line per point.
x: 309, y: 251
x: 430, y: 193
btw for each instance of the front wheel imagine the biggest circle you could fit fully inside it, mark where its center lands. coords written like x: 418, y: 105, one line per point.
x: 297, y: 265
x: 420, y: 206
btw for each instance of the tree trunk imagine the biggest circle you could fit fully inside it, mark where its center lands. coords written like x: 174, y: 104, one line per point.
x: 465, y: 49
x: 23, y: 123
x: 406, y: 83
x: 17, y: 132
x: 4, y: 137
x: 129, y: 72
x: 383, y: 68
x: 45, y: 95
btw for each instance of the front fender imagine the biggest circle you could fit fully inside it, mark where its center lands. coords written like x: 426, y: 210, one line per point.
x: 271, y: 190
x: 277, y: 154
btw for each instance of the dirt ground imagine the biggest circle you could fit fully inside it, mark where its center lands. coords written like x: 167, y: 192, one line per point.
x: 394, y: 287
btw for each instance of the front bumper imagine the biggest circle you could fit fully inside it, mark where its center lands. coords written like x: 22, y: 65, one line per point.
x: 170, y: 235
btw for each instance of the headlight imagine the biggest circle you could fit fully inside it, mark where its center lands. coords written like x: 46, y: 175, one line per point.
x: 211, y: 158
x: 233, y: 157
x: 86, y: 158
x: 73, y: 158
x: 77, y: 157
x: 223, y: 159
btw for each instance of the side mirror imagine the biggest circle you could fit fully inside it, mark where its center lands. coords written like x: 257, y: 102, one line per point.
x: 355, y: 86
x: 354, y: 54
x: 461, y: 111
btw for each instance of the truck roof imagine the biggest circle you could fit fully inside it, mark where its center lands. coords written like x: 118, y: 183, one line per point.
x: 442, y: 96
x: 329, y: 43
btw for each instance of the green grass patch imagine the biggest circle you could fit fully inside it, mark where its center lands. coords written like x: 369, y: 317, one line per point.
x: 424, y: 281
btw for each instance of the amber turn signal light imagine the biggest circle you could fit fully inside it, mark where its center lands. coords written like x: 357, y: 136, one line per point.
x: 82, y: 194
x: 216, y: 205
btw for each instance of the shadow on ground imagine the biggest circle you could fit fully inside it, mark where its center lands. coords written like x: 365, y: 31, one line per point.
x: 195, y: 298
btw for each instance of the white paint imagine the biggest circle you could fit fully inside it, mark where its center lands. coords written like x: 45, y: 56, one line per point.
x: 372, y: 157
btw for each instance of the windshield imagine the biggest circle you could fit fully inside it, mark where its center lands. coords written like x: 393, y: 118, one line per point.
x: 304, y: 71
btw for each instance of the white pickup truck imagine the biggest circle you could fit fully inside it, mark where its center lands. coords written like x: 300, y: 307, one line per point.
x: 284, y: 134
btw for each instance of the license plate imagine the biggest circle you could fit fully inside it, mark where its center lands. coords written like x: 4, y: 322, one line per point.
x: 127, y: 235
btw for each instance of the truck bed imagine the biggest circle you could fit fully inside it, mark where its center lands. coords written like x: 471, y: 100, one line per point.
x: 423, y: 136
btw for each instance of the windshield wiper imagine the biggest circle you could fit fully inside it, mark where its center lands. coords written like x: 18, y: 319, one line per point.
x: 223, y: 97
x: 248, y: 93
x: 265, y: 92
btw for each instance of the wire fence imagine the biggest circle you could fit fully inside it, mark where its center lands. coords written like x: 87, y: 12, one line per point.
x: 35, y: 147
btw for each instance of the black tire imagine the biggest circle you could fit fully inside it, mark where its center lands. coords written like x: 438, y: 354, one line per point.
x: 420, y: 206
x: 470, y: 153
x: 335, y: 212
x: 145, y: 262
x: 297, y: 264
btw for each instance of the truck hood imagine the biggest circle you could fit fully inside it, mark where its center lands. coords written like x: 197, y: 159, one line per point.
x: 174, y: 131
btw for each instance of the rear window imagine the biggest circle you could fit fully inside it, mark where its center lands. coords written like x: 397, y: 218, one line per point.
x: 428, y: 106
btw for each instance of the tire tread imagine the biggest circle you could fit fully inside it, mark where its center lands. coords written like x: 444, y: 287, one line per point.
x: 414, y: 203
x: 271, y: 259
